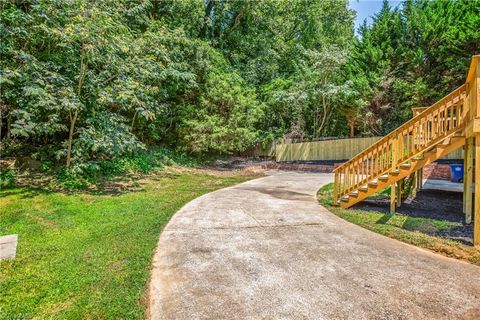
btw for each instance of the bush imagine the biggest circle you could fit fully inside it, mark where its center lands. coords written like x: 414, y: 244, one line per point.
x: 144, y: 162
x: 7, y: 178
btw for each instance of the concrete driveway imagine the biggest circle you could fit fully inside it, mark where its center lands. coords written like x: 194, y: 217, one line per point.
x: 265, y: 249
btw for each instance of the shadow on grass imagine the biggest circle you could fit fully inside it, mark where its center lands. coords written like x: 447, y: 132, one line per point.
x: 104, y: 188
x: 384, y: 219
x: 23, y: 192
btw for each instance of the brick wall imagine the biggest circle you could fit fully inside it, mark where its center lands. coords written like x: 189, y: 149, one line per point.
x: 439, y: 171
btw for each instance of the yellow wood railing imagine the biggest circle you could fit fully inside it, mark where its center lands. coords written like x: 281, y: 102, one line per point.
x: 414, y: 137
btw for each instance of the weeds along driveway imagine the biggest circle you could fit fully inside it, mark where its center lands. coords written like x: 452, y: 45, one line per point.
x: 265, y: 249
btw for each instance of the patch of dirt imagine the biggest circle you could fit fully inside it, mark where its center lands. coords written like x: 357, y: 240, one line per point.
x: 434, y: 204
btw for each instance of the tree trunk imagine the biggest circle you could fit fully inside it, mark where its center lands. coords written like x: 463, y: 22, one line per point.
x: 325, y: 113
x: 73, y: 119
x: 351, y: 125
x: 133, y: 120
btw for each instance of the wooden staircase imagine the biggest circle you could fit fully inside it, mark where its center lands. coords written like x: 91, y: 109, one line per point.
x: 404, y: 170
x: 433, y: 133
x: 418, y: 142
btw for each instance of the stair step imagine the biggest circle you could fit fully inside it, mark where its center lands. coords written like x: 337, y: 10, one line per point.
x: 363, y: 188
x: 405, y: 165
x: 394, y: 172
x: 354, y: 194
x: 373, y: 183
x: 383, y: 178
x: 345, y: 198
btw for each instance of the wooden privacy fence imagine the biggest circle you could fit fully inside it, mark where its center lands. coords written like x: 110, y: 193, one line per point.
x: 339, y: 149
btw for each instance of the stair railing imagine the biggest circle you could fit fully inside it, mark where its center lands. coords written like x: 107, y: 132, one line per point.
x: 414, y: 137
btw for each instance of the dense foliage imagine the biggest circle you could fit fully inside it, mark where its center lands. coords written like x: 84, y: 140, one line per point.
x: 411, y: 56
x: 84, y: 82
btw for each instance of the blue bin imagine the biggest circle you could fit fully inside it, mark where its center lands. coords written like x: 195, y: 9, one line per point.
x: 456, y: 172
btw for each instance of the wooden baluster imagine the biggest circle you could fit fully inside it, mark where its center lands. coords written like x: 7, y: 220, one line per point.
x: 362, y: 169
x: 347, y: 186
x: 379, y: 159
x: 401, y: 143
x: 430, y: 127
x: 389, y: 159
x: 421, y: 134
x: 352, y: 181
x: 382, y: 158
x: 347, y: 179
x: 408, y: 144
x: 392, y: 187
x: 456, y: 115
x: 359, y: 172
x: 374, y: 158
x: 451, y: 116
x: 444, y: 120
x: 385, y: 158
x: 412, y: 141
x: 368, y: 165
x: 355, y: 174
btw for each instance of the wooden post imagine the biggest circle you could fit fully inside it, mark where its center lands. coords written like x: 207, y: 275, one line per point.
x: 395, y: 143
x: 476, y: 223
x: 420, y: 179
x: 474, y: 103
x: 335, y: 188
x: 399, y: 192
x: 467, y: 180
x: 392, y: 198
x: 415, y: 184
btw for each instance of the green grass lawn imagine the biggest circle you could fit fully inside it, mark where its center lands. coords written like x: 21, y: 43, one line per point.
x: 418, y: 231
x: 85, y: 256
